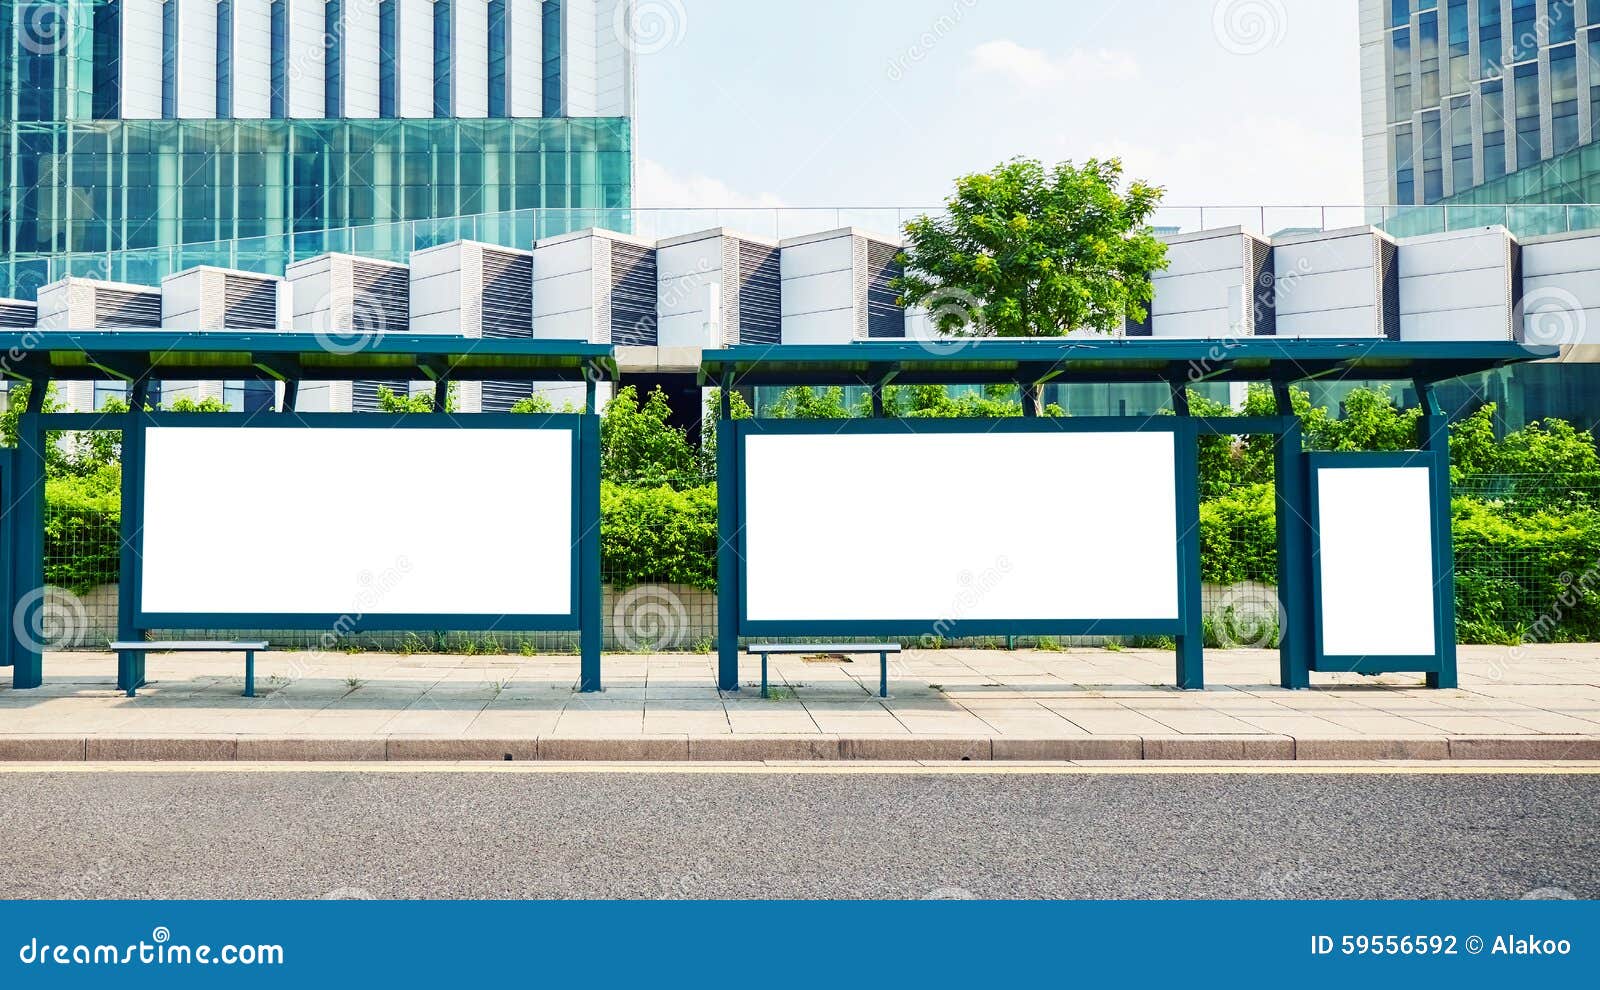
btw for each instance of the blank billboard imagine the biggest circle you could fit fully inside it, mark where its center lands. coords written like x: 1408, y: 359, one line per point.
x: 1375, y: 562
x: 357, y: 521
x: 980, y: 526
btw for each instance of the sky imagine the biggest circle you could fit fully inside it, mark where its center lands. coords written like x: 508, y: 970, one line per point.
x: 867, y: 103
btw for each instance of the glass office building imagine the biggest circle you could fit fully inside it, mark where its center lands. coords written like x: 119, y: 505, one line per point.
x: 1480, y: 101
x: 131, y: 130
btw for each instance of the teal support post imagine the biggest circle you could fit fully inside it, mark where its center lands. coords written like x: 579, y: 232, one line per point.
x: 8, y: 542
x: 291, y: 395
x: 27, y: 563
x: 730, y: 569
x: 1191, y: 642
x: 1296, y: 612
x: 131, y: 664
x: 591, y: 622
x: 441, y: 394
x: 1435, y: 429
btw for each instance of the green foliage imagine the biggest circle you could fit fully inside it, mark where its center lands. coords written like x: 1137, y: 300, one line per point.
x: 539, y: 404
x: 639, y: 447
x: 1030, y: 251
x: 1542, y: 466
x: 1531, y: 577
x: 422, y: 402
x: 83, y: 529
x: 817, y: 403
x: 1239, y: 536
x: 652, y: 535
x: 937, y: 402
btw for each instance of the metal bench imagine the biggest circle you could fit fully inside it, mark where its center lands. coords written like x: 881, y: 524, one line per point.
x: 883, y: 650
x: 249, y: 648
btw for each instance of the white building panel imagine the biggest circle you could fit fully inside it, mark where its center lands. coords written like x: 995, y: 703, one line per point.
x: 360, y: 58
x: 613, y: 59
x: 580, y: 27
x: 1458, y: 285
x: 141, y: 59
x: 252, y: 59
x: 1561, y: 289
x: 415, y: 64
x: 824, y: 284
x: 525, y: 59
x: 308, y: 97
x: 1335, y: 284
x: 470, y: 66
x: 440, y: 298
x: 564, y: 290
x: 1209, y: 286
x: 197, y: 59
x: 691, y: 307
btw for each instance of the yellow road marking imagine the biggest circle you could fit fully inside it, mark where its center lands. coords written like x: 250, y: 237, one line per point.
x: 1542, y: 768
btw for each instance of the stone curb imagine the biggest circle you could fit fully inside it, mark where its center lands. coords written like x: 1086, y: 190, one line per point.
x: 792, y: 748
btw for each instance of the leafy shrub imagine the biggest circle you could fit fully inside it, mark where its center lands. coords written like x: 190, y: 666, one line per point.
x: 1528, y: 578
x: 658, y: 535
x: 83, y: 528
x: 1239, y: 536
x: 639, y: 447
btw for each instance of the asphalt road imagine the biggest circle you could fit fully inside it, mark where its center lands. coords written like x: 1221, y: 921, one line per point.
x: 531, y: 835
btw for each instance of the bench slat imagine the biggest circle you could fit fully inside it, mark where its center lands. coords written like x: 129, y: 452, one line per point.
x: 823, y: 648
x: 189, y: 645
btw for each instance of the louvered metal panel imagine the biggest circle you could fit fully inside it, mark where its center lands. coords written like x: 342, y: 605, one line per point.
x: 633, y: 295
x: 118, y: 309
x: 17, y: 314
x: 382, y: 297
x: 1263, y: 271
x: 507, y: 294
x: 507, y: 313
x: 760, y: 294
x: 380, y: 303
x: 249, y: 303
x: 1388, y: 275
x: 886, y: 318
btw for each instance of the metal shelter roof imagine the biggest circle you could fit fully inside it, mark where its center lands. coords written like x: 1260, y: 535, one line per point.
x: 954, y: 361
x: 130, y: 355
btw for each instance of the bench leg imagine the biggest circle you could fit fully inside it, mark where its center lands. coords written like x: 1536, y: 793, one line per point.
x: 763, y: 675
x: 250, y: 673
x: 129, y: 671
x: 883, y: 675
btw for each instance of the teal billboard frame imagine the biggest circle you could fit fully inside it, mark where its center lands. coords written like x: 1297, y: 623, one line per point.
x: 1185, y: 532
x: 144, y: 357
x: 1442, y: 664
x: 1030, y: 365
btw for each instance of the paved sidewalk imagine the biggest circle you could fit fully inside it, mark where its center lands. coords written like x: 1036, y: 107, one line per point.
x: 1533, y: 703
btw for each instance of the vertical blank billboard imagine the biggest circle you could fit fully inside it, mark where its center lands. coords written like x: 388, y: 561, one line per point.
x: 924, y: 527
x: 1375, y: 573
x: 296, y: 520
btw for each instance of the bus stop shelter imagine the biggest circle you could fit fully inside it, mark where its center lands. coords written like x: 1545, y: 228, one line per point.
x: 1073, y: 526
x: 303, y: 521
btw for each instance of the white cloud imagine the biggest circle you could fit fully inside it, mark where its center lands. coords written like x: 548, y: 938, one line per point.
x: 656, y: 187
x: 1034, y: 68
x: 1254, y: 160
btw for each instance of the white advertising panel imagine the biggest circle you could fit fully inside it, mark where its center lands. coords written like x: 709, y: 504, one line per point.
x: 961, y: 526
x: 289, y: 520
x: 1375, y: 563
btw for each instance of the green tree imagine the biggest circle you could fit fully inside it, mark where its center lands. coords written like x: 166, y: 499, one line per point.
x: 638, y: 446
x: 1030, y: 251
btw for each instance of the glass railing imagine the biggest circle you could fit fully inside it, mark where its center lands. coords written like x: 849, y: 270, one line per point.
x: 22, y: 275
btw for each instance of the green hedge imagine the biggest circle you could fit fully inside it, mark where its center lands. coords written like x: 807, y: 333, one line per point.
x: 1526, y: 577
x: 1239, y: 536
x: 658, y: 535
x: 83, y: 529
